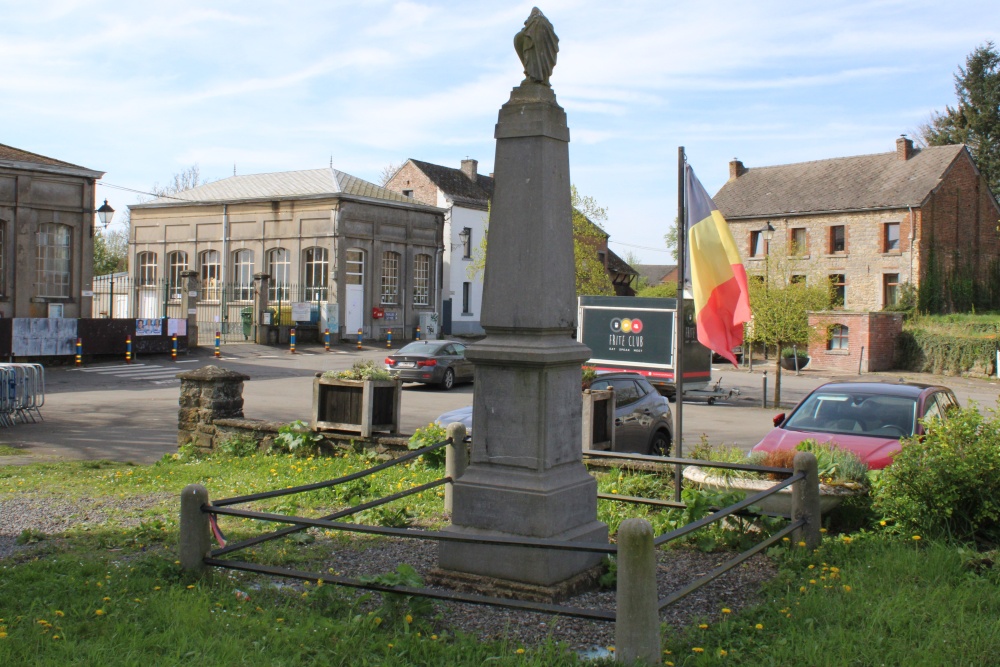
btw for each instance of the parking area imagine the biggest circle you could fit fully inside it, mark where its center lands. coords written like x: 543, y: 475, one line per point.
x: 110, y: 410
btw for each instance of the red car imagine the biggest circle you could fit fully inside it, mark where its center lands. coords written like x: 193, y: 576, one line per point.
x: 867, y: 418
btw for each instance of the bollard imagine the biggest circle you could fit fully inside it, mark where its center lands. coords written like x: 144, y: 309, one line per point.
x: 128, y: 349
x: 456, y: 457
x: 291, y: 338
x: 195, y: 534
x: 763, y: 395
x: 173, y: 350
x: 795, y: 355
x: 79, y: 351
x: 326, y: 339
x: 416, y: 334
x: 359, y: 338
x: 861, y: 358
x: 805, y: 500
x: 218, y: 344
x: 388, y: 337
x: 637, y: 620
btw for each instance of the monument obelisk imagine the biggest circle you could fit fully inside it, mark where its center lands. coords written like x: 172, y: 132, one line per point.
x: 526, y: 476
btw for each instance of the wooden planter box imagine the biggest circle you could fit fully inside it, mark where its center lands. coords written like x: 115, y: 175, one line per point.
x: 599, y: 419
x: 358, y: 406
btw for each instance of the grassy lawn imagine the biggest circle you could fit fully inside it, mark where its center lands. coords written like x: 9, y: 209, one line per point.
x: 110, y: 592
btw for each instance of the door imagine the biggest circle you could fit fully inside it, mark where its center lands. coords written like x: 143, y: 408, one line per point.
x: 354, y: 306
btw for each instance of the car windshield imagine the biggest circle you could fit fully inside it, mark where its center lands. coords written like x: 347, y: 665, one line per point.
x: 857, y: 414
x: 422, y: 347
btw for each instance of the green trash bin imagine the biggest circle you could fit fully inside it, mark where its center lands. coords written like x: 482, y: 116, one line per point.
x: 247, y: 316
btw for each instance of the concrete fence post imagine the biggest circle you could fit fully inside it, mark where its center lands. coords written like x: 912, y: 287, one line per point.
x: 195, y: 533
x: 637, y: 624
x: 805, y: 500
x: 455, y: 459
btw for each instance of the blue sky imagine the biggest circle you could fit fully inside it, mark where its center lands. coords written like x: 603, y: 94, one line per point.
x: 142, y: 90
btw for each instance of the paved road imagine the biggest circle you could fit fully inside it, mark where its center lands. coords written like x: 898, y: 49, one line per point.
x: 129, y: 412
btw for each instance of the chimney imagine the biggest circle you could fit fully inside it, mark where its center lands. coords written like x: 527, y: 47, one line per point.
x: 904, y: 148
x: 736, y: 169
x: 469, y: 168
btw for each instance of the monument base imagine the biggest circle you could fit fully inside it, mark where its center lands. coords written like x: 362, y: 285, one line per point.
x: 516, y: 590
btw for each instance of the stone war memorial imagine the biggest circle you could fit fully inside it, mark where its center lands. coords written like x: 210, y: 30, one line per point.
x: 526, y: 477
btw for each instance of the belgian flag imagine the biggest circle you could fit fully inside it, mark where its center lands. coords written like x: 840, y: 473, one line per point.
x: 718, y: 278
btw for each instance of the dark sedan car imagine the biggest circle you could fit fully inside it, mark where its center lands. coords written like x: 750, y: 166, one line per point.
x: 643, y: 422
x: 867, y: 418
x: 440, y: 362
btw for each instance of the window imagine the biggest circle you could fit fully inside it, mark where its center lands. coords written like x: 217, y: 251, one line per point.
x: 407, y: 193
x: 838, y: 283
x: 177, y: 263
x: 243, y: 275
x: 890, y: 239
x: 422, y: 280
x: 798, y: 279
x: 756, y: 244
x: 3, y: 257
x: 466, y: 237
x: 52, y: 260
x: 466, y: 298
x: 316, y: 266
x: 838, y: 338
x: 279, y: 267
x: 390, y: 278
x: 355, y: 269
x: 838, y: 239
x: 798, y: 241
x: 146, y: 267
x: 890, y: 289
x: 210, y: 262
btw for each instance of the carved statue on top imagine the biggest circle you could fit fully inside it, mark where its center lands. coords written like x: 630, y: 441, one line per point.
x: 537, y: 46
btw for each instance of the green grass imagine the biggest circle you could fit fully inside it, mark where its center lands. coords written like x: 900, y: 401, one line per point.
x: 7, y: 450
x: 870, y: 599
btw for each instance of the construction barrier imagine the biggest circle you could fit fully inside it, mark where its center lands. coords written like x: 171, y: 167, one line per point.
x: 22, y: 392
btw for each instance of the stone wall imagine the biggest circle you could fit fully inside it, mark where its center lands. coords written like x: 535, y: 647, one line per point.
x: 871, y: 341
x: 208, y: 394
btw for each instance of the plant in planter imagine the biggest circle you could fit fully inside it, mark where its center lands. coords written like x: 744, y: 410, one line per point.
x: 788, y: 358
x: 589, y: 374
x: 363, y: 399
x: 841, y: 474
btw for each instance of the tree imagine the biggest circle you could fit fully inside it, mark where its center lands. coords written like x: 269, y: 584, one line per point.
x: 591, y: 274
x: 388, y: 171
x: 975, y: 120
x: 780, y: 310
x: 667, y: 290
x: 185, y: 180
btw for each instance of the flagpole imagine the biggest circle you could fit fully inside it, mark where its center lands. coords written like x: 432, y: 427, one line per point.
x: 680, y: 325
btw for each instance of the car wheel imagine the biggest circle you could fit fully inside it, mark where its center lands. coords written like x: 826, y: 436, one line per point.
x: 660, y: 444
x: 449, y: 380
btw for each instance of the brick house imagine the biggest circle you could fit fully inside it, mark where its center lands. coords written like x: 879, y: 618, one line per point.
x: 46, y: 235
x: 657, y: 274
x: 465, y: 194
x: 868, y: 224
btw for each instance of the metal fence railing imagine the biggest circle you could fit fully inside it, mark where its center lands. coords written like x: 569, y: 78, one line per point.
x: 198, y: 518
x: 22, y: 392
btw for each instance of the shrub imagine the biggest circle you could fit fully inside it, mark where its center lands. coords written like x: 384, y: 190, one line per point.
x: 238, y: 445
x: 429, y: 435
x: 835, y: 465
x: 946, y: 483
x: 296, y: 438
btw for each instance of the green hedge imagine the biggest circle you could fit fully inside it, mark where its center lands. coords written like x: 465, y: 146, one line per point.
x: 959, y: 350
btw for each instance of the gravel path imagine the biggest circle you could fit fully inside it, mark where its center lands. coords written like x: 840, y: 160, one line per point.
x: 736, y: 590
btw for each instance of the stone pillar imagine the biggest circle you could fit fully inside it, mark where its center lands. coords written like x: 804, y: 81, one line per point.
x: 526, y: 477
x: 637, y: 623
x: 195, y: 540
x: 805, y: 500
x: 260, y: 302
x: 207, y: 394
x: 190, y: 285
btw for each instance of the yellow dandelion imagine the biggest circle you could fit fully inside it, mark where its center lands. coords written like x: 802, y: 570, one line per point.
x: 156, y: 588
x: 305, y: 594
x: 668, y: 663
x: 519, y: 651
x: 59, y: 613
x: 190, y: 586
x: 882, y: 522
x: 434, y: 637
x: 847, y: 589
x: 916, y: 538
x: 822, y: 530
x: 703, y: 626
x: 802, y: 589
x: 279, y: 620
x: 759, y: 626
x: 812, y: 581
x: 378, y: 621
x: 409, y: 619
x: 802, y: 544
x: 727, y: 610
x: 723, y: 653
x: 99, y: 612
x: 812, y: 567
x: 786, y: 539
x: 846, y: 539
x: 55, y: 636
x: 3, y: 635
x: 698, y: 649
x: 106, y: 599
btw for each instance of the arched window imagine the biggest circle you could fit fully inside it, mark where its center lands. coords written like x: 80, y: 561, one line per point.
x: 52, y: 260
x: 243, y: 275
x: 210, y: 266
x: 315, y: 264
x: 146, y: 269
x: 422, y: 280
x: 390, y: 278
x: 279, y: 267
x: 177, y: 263
x: 838, y: 337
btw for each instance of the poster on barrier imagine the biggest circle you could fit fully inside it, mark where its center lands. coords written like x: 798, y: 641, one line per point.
x: 151, y: 327
x: 177, y: 327
x: 43, y: 336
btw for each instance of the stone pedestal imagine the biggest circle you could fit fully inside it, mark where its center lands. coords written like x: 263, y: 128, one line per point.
x: 526, y: 477
x: 207, y: 394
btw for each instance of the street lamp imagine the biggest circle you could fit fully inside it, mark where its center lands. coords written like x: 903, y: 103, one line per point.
x: 105, y: 214
x: 767, y: 233
x: 464, y: 236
